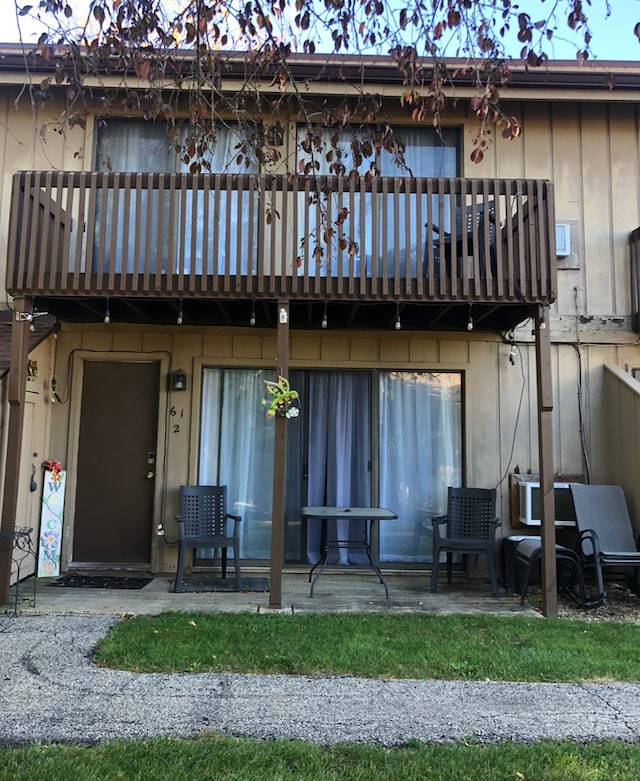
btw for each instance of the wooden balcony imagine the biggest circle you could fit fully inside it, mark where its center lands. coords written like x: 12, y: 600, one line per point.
x: 222, y: 242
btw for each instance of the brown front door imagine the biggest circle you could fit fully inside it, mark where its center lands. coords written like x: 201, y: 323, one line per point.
x: 116, y: 463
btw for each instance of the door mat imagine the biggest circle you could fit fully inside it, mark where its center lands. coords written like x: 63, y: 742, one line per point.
x: 199, y: 584
x: 100, y: 581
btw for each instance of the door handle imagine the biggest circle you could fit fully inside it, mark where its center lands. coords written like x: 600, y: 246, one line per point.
x: 150, y: 475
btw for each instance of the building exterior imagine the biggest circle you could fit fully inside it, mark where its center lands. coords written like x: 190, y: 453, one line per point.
x: 463, y: 321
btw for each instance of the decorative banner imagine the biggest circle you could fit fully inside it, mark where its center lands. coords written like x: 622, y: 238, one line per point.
x: 51, y: 524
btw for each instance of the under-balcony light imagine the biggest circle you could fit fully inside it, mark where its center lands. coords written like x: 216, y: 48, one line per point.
x: 325, y: 322
x: 252, y: 319
x: 543, y: 320
x: 180, y: 314
x: 107, y: 315
x: 470, y: 319
x: 398, y: 324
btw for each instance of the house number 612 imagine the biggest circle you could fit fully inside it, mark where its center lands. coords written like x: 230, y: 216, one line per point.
x: 175, y: 413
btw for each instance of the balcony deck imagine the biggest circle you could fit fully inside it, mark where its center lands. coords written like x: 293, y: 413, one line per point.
x: 218, y: 242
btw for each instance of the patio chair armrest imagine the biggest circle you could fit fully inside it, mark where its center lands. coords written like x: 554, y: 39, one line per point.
x: 436, y: 522
x: 494, y: 525
x: 589, y: 536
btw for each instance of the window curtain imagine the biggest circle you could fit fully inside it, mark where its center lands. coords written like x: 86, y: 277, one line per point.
x: 428, y: 153
x: 339, y: 454
x: 420, y: 454
x: 220, y: 225
x: 132, y: 146
x: 419, y: 426
x: 144, y: 147
x: 236, y: 450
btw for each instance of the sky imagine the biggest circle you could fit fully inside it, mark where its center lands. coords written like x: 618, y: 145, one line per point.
x: 613, y: 37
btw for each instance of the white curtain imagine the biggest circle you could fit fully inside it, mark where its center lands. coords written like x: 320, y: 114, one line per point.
x: 236, y: 450
x: 428, y: 154
x: 420, y: 456
x: 144, y: 147
x: 419, y: 426
x: 339, y: 453
x: 224, y: 227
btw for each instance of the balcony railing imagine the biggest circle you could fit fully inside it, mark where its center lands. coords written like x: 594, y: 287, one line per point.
x: 241, y: 236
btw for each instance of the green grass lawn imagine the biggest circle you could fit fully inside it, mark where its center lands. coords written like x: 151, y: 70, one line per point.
x: 214, y: 759
x: 451, y: 647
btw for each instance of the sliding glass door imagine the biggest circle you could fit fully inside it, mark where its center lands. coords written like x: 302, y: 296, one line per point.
x: 384, y: 438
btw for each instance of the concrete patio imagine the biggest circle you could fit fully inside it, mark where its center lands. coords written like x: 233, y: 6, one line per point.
x: 334, y: 592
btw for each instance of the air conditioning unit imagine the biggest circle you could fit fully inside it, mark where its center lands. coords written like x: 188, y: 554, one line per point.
x: 531, y: 505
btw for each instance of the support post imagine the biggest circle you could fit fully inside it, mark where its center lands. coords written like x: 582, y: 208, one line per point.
x: 279, y: 465
x: 16, y: 396
x: 545, y: 457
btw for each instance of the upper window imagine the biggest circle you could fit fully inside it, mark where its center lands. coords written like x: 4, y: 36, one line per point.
x: 369, y: 220
x: 142, y: 146
x: 170, y: 230
x: 427, y: 152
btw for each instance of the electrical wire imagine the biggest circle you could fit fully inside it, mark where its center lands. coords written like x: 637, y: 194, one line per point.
x: 583, y: 443
x: 514, y: 346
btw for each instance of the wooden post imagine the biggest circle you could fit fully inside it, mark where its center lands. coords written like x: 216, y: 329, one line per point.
x: 279, y: 465
x: 545, y: 456
x: 15, y: 396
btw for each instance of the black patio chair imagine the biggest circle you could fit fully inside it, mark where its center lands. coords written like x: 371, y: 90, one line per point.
x: 471, y: 525
x: 203, y: 522
x: 605, y: 534
x: 474, y: 223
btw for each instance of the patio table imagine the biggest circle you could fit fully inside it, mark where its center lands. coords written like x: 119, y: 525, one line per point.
x: 368, y: 515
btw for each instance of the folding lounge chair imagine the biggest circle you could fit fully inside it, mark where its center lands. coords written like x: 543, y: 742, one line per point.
x: 605, y: 534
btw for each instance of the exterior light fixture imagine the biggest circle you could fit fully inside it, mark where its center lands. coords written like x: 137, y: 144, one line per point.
x: 470, y: 319
x: 276, y: 134
x: 179, y: 380
x: 252, y: 319
x: 325, y: 322
x: 180, y: 314
x: 107, y: 315
x: 398, y: 324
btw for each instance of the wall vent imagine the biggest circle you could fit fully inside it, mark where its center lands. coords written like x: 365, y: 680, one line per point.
x: 563, y: 240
